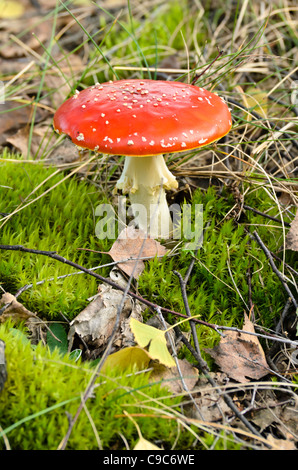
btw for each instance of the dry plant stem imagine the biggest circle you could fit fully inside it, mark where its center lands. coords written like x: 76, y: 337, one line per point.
x: 274, y: 268
x: 258, y: 116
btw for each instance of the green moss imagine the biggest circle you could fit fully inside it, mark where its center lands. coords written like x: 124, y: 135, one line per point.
x: 44, y: 386
x: 63, y: 221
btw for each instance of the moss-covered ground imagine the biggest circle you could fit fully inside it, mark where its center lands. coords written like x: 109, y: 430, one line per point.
x: 49, y: 194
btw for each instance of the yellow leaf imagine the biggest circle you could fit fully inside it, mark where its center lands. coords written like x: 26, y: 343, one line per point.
x: 154, y: 339
x: 11, y: 9
x: 130, y: 356
x: 143, y: 444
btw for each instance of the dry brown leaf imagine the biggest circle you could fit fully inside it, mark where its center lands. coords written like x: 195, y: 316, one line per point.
x: 281, y: 444
x: 55, y: 78
x: 41, y: 140
x: 171, y: 377
x: 211, y: 405
x: 22, y: 47
x: 129, y: 244
x: 15, y: 310
x: 240, y: 355
x: 94, y: 325
x: 292, y: 235
x: 15, y: 116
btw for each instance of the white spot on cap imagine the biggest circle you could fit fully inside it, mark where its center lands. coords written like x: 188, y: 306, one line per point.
x: 81, y: 137
x: 201, y: 141
x: 130, y: 142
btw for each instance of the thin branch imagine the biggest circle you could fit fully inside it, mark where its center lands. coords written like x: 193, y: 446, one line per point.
x: 274, y: 268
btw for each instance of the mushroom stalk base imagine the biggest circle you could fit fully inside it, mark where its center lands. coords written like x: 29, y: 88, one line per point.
x: 145, y: 179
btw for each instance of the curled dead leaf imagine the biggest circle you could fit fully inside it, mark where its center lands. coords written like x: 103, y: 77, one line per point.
x: 14, y: 309
x: 171, y: 377
x: 95, y: 324
x: 133, y: 244
x: 240, y: 355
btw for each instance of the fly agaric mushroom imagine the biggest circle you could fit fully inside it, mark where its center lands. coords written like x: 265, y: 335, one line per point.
x: 142, y: 120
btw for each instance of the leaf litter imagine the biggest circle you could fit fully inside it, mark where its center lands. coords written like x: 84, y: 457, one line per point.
x: 133, y: 244
x: 240, y: 355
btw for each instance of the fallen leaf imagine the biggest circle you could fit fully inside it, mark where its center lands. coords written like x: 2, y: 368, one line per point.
x: 281, y: 444
x: 143, y: 444
x: 95, y: 324
x: 210, y: 403
x: 14, y: 310
x: 15, y: 116
x: 240, y: 355
x: 171, y: 377
x: 131, y: 243
x: 292, y: 235
x: 154, y: 339
x: 41, y: 140
x: 11, y: 9
x: 132, y: 356
x: 16, y: 46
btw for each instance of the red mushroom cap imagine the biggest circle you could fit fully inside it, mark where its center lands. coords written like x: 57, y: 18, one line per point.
x: 143, y: 117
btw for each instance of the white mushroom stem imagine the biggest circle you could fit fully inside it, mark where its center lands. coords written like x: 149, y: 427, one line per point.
x: 145, y: 179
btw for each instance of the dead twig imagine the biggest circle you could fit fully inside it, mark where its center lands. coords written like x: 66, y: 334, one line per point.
x: 274, y: 268
x: 202, y: 365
